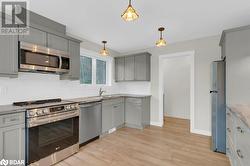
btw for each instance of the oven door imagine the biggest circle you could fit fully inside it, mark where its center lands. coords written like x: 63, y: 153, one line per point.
x: 47, y: 139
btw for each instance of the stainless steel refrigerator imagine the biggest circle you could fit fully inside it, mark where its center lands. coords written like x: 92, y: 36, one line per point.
x: 218, y: 106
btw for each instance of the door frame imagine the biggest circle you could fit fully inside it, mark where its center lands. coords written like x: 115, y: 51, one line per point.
x: 192, y: 84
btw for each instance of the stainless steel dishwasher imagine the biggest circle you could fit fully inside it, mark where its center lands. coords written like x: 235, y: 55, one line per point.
x: 90, y: 122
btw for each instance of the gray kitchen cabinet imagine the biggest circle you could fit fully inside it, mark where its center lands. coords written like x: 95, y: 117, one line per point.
x: 118, y: 114
x: 74, y: 53
x: 112, y: 114
x: 35, y: 36
x: 119, y: 68
x: 57, y: 42
x: 9, y: 55
x: 137, y: 112
x: 142, y: 67
x: 129, y: 70
x: 133, y: 67
x: 107, y: 117
x: 237, y: 140
x: 12, y: 136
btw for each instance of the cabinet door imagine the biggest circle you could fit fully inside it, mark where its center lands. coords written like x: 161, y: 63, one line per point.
x: 129, y: 68
x: 118, y: 113
x: 35, y: 36
x: 74, y: 53
x: 142, y: 67
x: 12, y: 142
x: 107, y: 117
x: 133, y: 113
x: 9, y: 55
x: 57, y: 42
x: 119, y: 69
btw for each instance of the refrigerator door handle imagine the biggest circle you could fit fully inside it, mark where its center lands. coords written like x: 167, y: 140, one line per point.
x: 213, y: 91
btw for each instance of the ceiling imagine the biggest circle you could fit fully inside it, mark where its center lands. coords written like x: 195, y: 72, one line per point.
x: 97, y: 20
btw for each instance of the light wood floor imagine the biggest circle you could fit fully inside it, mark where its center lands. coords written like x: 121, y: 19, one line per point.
x: 171, y: 145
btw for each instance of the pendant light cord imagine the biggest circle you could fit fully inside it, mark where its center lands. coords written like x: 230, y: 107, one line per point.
x: 129, y: 2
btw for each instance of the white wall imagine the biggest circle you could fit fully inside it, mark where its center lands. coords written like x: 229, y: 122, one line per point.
x: 176, y: 87
x: 206, y: 50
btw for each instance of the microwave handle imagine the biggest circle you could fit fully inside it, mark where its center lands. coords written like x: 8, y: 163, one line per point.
x: 60, y: 63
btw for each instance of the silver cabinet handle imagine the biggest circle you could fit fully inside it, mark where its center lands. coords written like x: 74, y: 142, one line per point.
x: 239, y: 153
x: 240, y: 129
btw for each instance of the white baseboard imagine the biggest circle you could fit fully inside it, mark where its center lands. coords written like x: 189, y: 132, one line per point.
x: 159, y: 124
x: 201, y: 132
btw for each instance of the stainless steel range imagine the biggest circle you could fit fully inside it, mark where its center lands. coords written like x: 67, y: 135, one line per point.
x: 52, y: 131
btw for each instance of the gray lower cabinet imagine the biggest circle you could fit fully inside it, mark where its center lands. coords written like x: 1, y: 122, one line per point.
x: 119, y: 68
x: 12, y: 136
x: 133, y: 67
x: 57, y: 42
x: 137, y: 112
x: 238, y: 144
x: 107, y: 117
x: 8, y: 55
x: 112, y: 114
x: 74, y: 53
x: 35, y: 36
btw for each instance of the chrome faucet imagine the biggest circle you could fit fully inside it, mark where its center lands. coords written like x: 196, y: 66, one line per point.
x: 101, y: 91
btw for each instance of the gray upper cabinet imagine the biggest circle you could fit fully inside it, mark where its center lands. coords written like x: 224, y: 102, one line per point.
x: 12, y: 136
x: 8, y: 56
x: 119, y: 68
x: 74, y: 53
x: 57, y: 42
x: 129, y: 74
x: 142, y: 67
x: 35, y: 36
x: 133, y: 67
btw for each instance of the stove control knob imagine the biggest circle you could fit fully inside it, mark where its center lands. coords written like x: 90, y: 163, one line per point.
x: 32, y: 113
x: 39, y: 112
x: 72, y: 107
x: 45, y: 111
x: 67, y: 107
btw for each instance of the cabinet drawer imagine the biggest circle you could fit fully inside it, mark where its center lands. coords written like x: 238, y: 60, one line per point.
x: 12, y: 119
x: 243, y: 143
x: 113, y: 101
x: 137, y: 101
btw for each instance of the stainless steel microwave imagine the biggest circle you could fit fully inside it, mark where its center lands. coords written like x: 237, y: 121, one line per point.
x: 35, y: 58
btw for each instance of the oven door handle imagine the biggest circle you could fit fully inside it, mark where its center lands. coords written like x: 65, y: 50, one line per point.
x: 32, y: 122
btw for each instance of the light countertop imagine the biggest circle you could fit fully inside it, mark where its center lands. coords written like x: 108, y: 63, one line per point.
x: 7, y: 109
x: 242, y: 111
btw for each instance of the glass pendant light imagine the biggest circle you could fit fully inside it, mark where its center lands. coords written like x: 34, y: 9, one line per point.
x: 161, y: 42
x: 130, y: 13
x: 104, y: 51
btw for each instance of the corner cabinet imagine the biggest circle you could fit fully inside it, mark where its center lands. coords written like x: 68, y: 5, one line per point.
x: 238, y: 144
x: 133, y: 67
x: 137, y: 112
x: 9, y: 56
x: 12, y: 136
x: 74, y: 53
x: 113, y: 114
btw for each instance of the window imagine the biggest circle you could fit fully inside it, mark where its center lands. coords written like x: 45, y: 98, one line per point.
x: 86, y: 70
x: 100, y: 72
x: 95, y: 70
